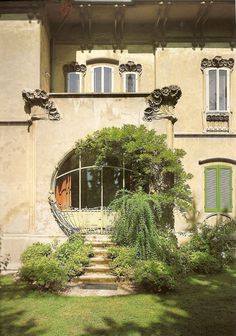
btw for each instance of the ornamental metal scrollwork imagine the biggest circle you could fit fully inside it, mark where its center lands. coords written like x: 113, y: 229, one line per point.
x: 217, y: 117
x: 217, y: 62
x: 130, y: 66
x: 167, y: 97
x: 75, y: 67
x: 41, y: 98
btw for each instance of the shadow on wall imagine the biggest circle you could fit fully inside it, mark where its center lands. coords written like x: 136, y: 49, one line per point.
x: 210, y: 313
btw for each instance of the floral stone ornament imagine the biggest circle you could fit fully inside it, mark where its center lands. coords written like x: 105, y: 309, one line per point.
x: 162, y: 102
x: 41, y: 98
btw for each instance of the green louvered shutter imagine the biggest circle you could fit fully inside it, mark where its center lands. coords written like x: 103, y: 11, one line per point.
x: 225, y: 188
x: 210, y: 189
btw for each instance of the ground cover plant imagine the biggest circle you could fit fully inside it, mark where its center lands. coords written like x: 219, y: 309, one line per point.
x: 200, y: 305
x: 50, y: 267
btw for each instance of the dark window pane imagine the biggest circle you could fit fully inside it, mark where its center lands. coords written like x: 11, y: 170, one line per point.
x: 91, y: 188
x: 71, y: 163
x: 112, y: 182
x: 88, y: 159
x: 212, y: 90
x: 75, y: 189
x: 130, y: 83
x: 73, y: 82
x: 107, y: 79
x: 223, y: 90
x: 98, y: 80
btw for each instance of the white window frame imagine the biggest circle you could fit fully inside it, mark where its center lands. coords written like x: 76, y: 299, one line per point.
x: 68, y: 82
x: 206, y: 73
x: 102, y: 79
x: 124, y: 81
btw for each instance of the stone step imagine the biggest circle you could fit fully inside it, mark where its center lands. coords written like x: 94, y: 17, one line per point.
x: 100, y: 237
x: 99, y: 260
x: 100, y: 252
x: 97, y: 278
x: 97, y: 268
x: 99, y: 243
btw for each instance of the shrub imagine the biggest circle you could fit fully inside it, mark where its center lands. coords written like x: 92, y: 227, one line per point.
x: 35, y: 251
x: 44, y: 272
x: 135, y: 224
x: 123, y: 261
x: 214, y: 240
x: 154, y: 276
x: 74, y: 266
x: 73, y: 255
x: 203, y: 262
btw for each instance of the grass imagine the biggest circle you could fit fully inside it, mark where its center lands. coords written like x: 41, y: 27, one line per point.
x: 202, y: 306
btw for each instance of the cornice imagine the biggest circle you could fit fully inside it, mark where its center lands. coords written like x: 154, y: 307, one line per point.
x: 130, y: 66
x: 74, y: 67
x: 217, y: 62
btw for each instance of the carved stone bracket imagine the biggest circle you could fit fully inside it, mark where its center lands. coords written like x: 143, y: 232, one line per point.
x: 74, y: 67
x: 130, y: 66
x: 217, y: 117
x: 162, y: 102
x: 41, y: 98
x: 217, y: 62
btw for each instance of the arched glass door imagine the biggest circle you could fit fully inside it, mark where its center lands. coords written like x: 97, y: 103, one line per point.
x: 84, y: 190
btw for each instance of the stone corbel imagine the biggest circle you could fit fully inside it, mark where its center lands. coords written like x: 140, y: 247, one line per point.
x: 40, y: 98
x: 162, y: 103
x: 130, y: 66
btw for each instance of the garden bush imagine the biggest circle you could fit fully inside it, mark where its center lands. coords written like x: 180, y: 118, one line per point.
x: 154, y: 276
x: 44, y: 272
x: 36, y: 250
x: 50, y: 268
x: 204, y: 263
x: 214, y: 240
x: 123, y: 261
x: 73, y: 255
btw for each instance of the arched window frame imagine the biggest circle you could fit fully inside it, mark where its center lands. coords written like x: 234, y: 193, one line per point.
x: 102, y: 66
x: 68, y: 86
x: 207, y: 90
x: 125, y: 80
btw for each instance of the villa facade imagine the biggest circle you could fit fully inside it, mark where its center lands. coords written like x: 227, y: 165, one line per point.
x: 69, y: 68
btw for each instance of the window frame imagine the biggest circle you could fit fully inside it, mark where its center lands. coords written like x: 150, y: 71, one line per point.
x: 207, y: 91
x: 102, y: 78
x: 218, y: 208
x: 136, y: 81
x: 68, y: 82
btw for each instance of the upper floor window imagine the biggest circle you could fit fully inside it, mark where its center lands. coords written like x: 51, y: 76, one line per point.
x: 217, y: 81
x: 217, y: 90
x: 130, y: 82
x: 218, y: 189
x: 102, y: 79
x: 73, y: 82
x: 73, y: 74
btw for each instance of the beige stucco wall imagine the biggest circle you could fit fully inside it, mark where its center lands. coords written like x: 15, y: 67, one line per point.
x: 201, y: 148
x: 182, y: 67
x: 19, y: 66
x: 65, y: 54
x: 45, y: 71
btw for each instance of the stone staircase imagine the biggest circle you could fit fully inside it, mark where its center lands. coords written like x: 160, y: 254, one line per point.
x: 98, y: 273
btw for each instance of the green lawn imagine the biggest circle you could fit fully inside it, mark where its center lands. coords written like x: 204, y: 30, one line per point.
x: 202, y: 305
